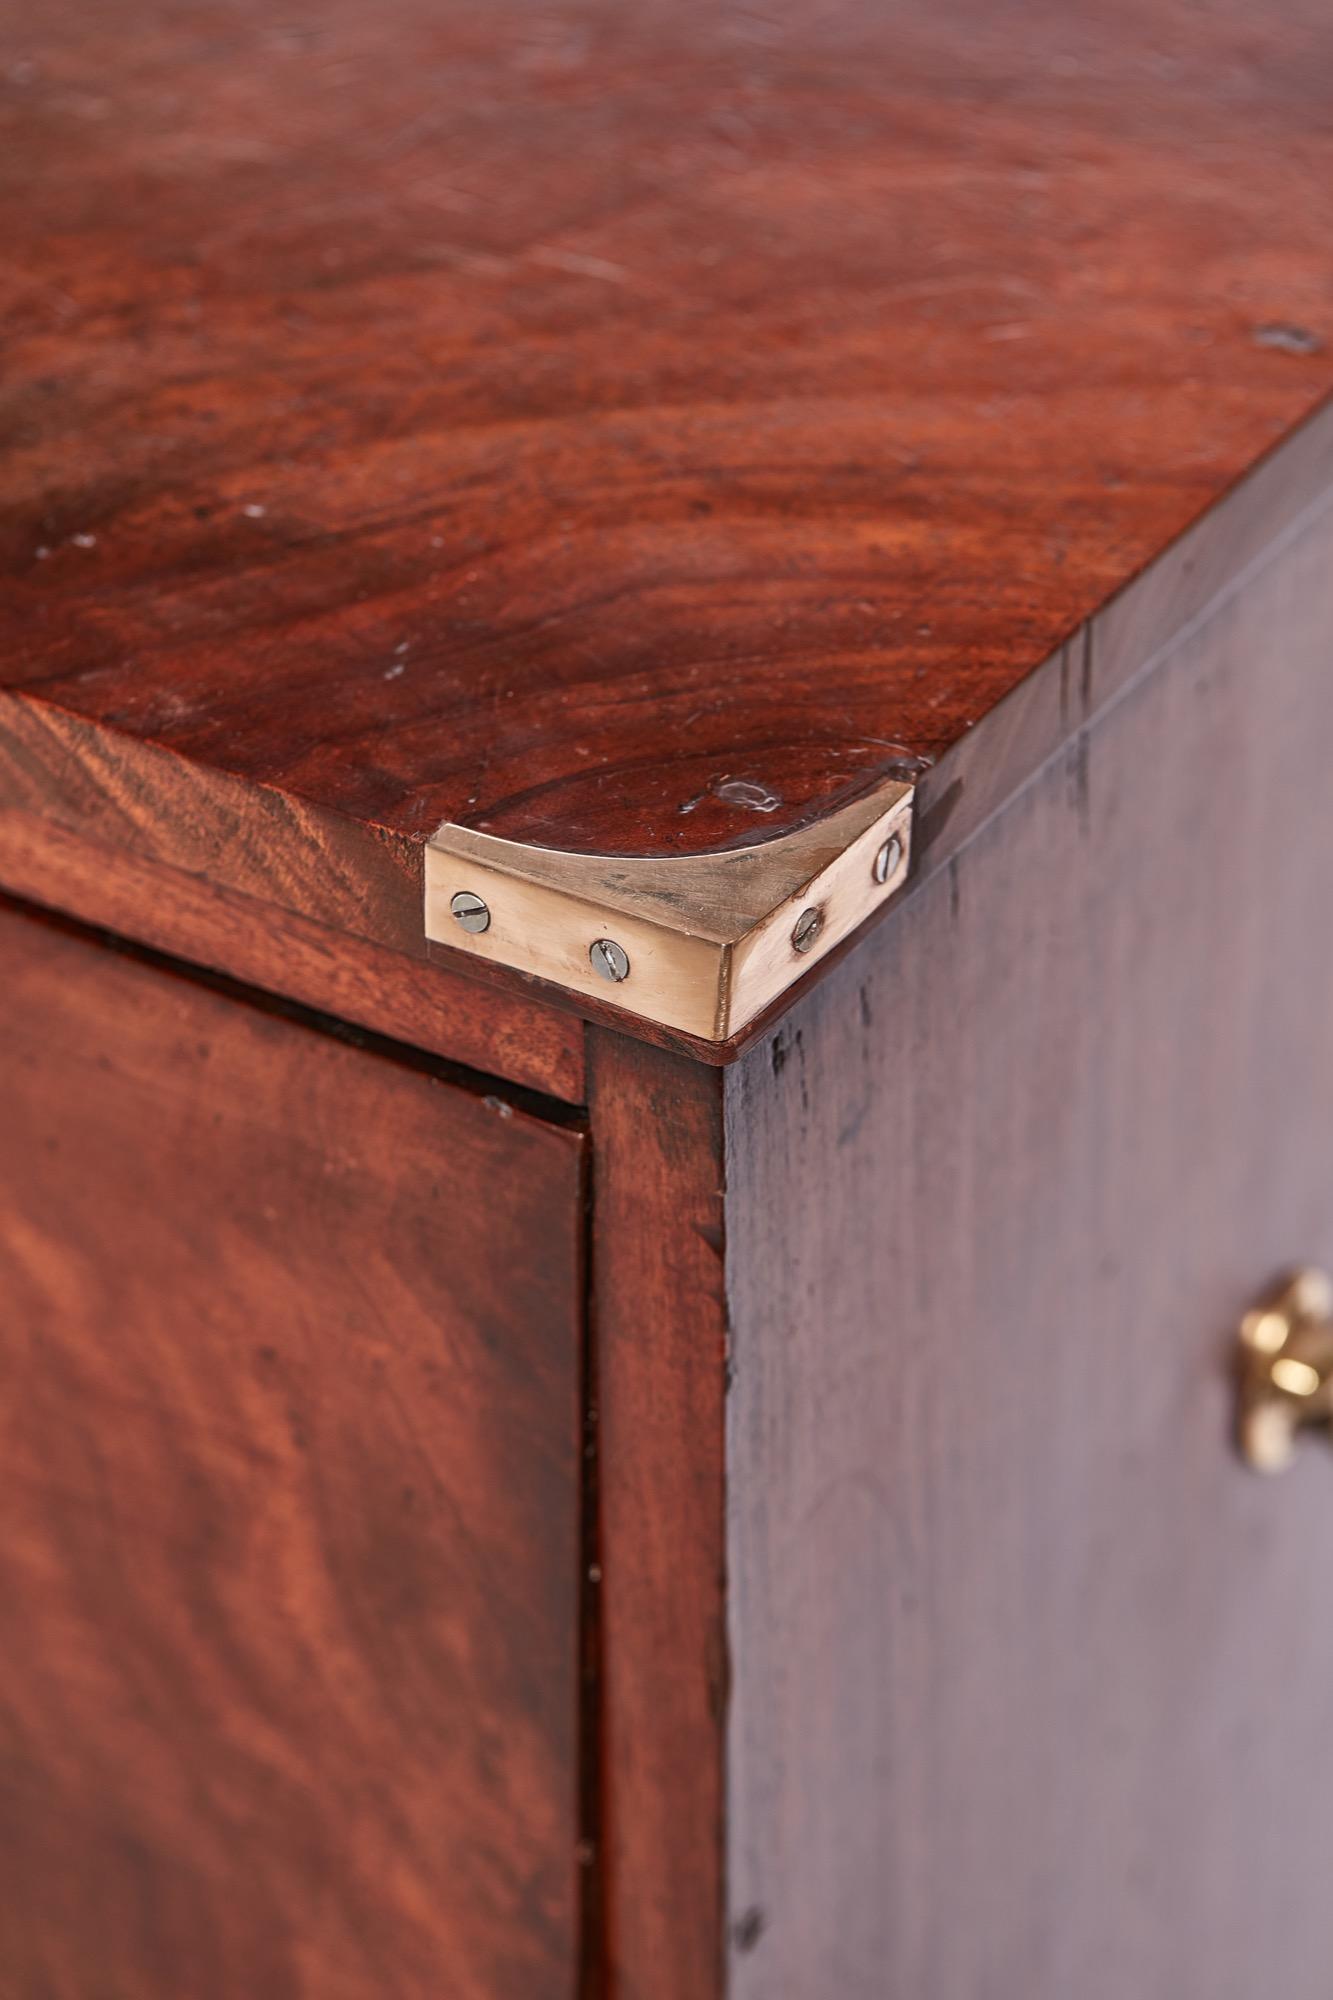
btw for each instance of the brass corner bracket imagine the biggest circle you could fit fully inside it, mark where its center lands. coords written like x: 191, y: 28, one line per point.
x: 701, y: 943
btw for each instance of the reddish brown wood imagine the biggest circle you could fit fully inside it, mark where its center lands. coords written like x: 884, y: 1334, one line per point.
x: 659, y: 1339
x: 633, y: 428
x: 289, y: 1484
x: 1028, y: 1668
x: 500, y: 1032
x: 279, y: 895
x: 608, y: 424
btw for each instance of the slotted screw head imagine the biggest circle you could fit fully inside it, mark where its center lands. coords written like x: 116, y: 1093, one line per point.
x: 610, y: 959
x: 808, y: 926
x: 888, y: 857
x: 470, y: 911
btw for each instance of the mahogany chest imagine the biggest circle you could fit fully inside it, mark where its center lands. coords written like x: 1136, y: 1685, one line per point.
x: 665, y: 947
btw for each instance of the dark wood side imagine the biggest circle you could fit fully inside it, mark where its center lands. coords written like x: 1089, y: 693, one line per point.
x: 624, y: 427
x: 1031, y: 1678
x: 289, y: 1348
x: 659, y: 1342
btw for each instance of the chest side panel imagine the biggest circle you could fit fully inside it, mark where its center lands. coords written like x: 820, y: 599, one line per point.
x: 1030, y: 1672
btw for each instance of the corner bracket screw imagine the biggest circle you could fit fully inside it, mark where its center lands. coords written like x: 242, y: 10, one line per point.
x: 888, y: 857
x: 610, y: 959
x: 470, y: 911
x: 808, y: 926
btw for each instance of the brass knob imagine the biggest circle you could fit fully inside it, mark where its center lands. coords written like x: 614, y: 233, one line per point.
x: 1286, y: 1368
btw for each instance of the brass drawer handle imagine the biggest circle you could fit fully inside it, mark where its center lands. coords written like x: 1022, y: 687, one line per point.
x: 1286, y: 1368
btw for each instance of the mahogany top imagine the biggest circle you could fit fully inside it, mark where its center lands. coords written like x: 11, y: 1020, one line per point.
x: 630, y: 427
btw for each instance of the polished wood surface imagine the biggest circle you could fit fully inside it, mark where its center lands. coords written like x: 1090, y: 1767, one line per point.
x: 638, y: 427
x: 623, y: 428
x: 290, y: 1400
x: 1029, y: 1672
x: 506, y: 1033
x: 301, y: 903
x: 659, y: 1347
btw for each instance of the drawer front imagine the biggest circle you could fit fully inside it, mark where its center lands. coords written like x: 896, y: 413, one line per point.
x: 289, y: 1388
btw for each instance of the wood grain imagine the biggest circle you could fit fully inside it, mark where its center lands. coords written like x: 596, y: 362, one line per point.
x: 1029, y: 1673
x: 505, y: 1034
x: 659, y: 1338
x: 282, y: 896
x: 288, y: 1577
x: 624, y: 429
